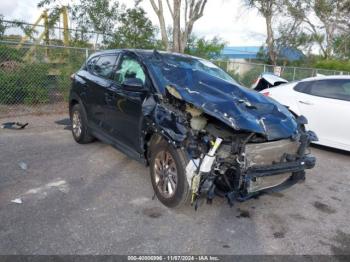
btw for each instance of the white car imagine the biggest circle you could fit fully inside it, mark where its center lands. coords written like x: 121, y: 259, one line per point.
x: 325, y: 102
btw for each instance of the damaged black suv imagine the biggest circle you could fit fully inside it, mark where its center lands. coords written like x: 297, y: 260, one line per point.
x: 201, y: 133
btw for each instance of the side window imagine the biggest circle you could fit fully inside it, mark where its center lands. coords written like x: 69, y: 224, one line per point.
x: 129, y: 68
x: 90, y: 64
x: 335, y: 89
x: 303, y: 87
x: 104, y: 66
x: 347, y: 87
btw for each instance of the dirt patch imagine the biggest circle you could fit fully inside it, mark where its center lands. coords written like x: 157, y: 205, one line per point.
x: 335, y: 198
x: 333, y: 189
x: 16, y: 110
x: 324, y: 208
x: 342, y: 246
x: 309, y: 187
x: 277, y: 194
x: 279, y: 234
x: 243, y: 213
x: 298, y: 217
x: 152, y: 212
x: 278, y: 226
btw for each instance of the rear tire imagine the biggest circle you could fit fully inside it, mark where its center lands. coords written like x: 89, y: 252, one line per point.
x: 174, y: 161
x: 80, y: 129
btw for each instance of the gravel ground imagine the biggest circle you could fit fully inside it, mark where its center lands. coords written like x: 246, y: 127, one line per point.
x: 92, y: 199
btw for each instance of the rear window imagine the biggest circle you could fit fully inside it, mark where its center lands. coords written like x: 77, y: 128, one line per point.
x: 104, y: 66
x: 335, y: 89
x: 302, y: 87
x: 91, y: 62
x: 328, y: 88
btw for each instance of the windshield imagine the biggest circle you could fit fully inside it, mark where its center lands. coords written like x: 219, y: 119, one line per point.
x: 171, y: 64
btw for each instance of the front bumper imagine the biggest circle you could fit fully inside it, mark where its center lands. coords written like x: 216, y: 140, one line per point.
x: 260, y: 178
x: 307, y: 162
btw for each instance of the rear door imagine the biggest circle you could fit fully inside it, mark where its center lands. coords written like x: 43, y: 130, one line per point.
x: 326, y: 104
x: 87, y: 88
x: 98, y: 80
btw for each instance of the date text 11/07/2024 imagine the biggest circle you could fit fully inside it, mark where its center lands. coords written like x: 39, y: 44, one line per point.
x: 173, y: 258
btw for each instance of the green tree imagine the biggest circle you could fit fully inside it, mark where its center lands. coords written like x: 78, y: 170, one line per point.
x: 269, y: 9
x: 97, y: 15
x: 135, y: 30
x: 201, y: 47
x: 322, y: 22
x: 342, y: 46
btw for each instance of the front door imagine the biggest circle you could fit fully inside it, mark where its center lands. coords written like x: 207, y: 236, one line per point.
x: 125, y: 107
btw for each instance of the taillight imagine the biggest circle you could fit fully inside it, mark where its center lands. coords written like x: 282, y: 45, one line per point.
x: 266, y: 93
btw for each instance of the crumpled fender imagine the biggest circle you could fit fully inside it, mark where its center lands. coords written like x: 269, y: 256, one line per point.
x: 163, y: 120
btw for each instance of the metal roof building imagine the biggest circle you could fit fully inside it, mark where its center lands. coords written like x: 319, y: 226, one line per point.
x: 251, y: 52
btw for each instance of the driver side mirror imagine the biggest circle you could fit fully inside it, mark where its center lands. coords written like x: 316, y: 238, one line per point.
x: 134, y: 84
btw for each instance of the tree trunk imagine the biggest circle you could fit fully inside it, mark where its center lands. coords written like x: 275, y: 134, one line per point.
x: 176, y: 27
x: 184, y: 37
x: 270, y: 40
x: 163, y: 33
x: 160, y: 14
x: 193, y: 11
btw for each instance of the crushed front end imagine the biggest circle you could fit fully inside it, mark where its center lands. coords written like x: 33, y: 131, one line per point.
x: 236, y: 164
x: 239, y: 143
x: 244, y: 165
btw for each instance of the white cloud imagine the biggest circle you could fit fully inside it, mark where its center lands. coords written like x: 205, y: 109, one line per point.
x: 224, y: 18
x: 19, y: 9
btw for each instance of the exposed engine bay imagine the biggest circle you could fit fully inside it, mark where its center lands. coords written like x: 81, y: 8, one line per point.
x: 235, y: 164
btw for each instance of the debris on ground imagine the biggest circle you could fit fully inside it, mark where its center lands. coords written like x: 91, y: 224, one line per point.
x: 14, y: 125
x: 23, y: 165
x: 17, y: 201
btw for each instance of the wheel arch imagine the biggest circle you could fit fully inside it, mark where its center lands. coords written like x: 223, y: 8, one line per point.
x: 75, y: 99
x: 149, y: 139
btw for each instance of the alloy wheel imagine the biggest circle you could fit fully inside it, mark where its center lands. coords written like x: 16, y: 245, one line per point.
x: 76, y: 123
x: 165, y: 174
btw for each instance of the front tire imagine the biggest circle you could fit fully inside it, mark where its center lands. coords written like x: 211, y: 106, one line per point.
x: 168, y: 174
x: 79, y: 125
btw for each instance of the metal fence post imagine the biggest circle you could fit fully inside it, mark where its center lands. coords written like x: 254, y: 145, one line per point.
x: 294, y: 72
x: 239, y: 72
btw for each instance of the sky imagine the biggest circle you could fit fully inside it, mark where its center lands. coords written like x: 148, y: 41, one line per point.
x: 227, y: 19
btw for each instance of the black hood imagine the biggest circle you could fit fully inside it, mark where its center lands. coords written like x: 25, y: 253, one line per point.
x: 238, y: 107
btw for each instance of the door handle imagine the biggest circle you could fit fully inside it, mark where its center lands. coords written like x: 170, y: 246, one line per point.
x: 306, y: 103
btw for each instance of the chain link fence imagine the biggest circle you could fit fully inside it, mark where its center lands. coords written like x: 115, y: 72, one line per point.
x: 35, y: 79
x: 247, y: 73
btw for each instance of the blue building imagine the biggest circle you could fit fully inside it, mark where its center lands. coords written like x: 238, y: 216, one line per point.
x: 240, y: 52
x: 251, y: 52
